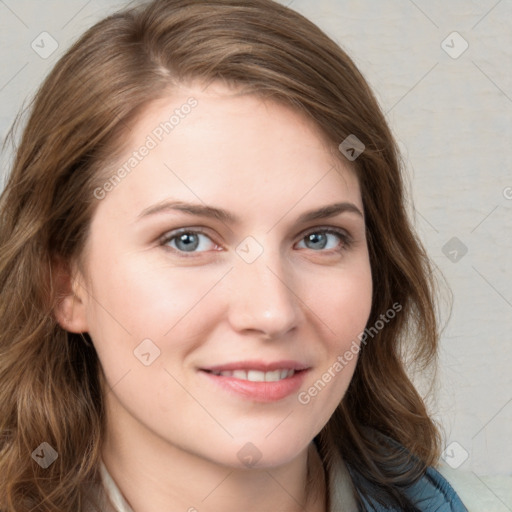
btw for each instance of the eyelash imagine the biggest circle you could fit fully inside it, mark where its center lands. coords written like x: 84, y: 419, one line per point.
x: 345, y: 238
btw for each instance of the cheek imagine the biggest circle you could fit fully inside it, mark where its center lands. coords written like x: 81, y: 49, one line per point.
x: 344, y: 309
x: 345, y: 303
x: 147, y: 299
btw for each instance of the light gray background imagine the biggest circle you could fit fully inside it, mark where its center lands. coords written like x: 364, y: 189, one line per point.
x: 453, y: 120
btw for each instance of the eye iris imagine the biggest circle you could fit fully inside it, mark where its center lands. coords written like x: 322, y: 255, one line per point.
x: 316, y: 238
x: 190, y: 241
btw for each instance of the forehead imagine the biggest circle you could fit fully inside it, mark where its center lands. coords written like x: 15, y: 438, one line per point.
x: 216, y: 144
x: 218, y: 105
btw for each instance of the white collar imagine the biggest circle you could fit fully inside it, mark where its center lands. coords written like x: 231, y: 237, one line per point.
x: 114, y: 499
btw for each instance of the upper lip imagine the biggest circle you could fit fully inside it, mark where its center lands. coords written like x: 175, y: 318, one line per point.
x: 257, y: 365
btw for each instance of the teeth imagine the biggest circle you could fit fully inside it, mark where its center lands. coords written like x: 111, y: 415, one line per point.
x: 273, y: 376
x: 257, y: 376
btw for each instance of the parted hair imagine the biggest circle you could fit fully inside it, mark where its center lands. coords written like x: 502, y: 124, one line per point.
x: 51, y: 381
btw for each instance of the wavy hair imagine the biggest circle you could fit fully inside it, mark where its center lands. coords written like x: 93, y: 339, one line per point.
x: 51, y: 382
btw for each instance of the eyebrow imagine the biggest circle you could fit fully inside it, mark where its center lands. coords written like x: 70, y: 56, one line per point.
x: 201, y: 210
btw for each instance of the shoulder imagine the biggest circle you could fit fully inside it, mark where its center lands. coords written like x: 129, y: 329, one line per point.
x: 433, y: 493
x: 429, y: 492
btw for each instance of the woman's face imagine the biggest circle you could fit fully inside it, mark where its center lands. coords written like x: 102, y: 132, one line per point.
x: 219, y: 294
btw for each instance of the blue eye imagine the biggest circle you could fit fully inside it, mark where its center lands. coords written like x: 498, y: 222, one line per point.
x: 325, y: 239
x: 186, y: 241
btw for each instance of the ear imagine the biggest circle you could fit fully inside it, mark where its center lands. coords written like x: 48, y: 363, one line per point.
x: 71, y: 304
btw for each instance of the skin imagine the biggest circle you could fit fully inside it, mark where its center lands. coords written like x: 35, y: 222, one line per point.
x: 172, y: 436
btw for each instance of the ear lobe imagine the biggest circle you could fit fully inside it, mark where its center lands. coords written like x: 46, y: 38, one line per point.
x: 71, y: 305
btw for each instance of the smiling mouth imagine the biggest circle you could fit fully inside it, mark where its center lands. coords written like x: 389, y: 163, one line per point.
x: 256, y: 375
x: 258, y: 381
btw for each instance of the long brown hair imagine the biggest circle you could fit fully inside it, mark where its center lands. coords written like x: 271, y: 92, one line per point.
x: 51, y: 380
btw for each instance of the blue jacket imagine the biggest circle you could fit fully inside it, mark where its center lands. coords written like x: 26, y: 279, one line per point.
x: 430, y: 494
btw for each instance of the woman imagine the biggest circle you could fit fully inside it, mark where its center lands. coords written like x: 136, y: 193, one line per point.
x: 209, y: 281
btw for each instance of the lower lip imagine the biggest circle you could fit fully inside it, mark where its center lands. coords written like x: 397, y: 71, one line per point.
x: 260, y: 391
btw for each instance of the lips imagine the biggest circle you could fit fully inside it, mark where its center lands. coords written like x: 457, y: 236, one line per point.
x: 258, y: 381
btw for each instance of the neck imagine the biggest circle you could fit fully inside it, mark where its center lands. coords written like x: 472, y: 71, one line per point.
x: 154, y: 475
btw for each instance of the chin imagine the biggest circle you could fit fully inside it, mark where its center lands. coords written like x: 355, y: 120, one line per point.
x: 265, y: 453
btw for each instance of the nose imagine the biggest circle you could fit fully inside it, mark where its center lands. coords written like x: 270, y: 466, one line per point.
x: 263, y: 299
